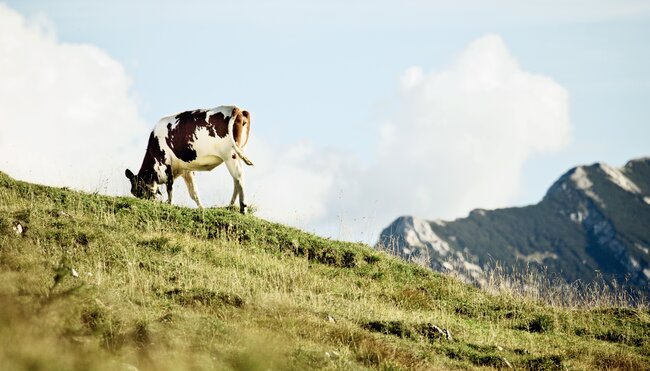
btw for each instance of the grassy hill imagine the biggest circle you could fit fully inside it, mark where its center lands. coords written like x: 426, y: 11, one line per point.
x: 96, y: 282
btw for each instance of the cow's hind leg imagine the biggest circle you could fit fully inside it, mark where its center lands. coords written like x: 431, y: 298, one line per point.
x: 191, y: 187
x: 237, y: 171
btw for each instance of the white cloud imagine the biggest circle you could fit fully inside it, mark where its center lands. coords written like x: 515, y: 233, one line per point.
x: 464, y: 133
x: 66, y: 114
x: 460, y: 137
x: 290, y: 185
x: 574, y: 10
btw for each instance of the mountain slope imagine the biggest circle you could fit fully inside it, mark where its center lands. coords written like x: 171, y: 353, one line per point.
x: 91, y: 282
x: 593, y: 220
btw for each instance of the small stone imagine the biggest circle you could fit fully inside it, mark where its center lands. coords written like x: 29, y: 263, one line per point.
x: 440, y: 331
x: 332, y: 355
x: 18, y: 228
x: 81, y: 339
x: 331, y: 319
x: 506, y: 362
x: 499, y: 348
x: 75, y: 274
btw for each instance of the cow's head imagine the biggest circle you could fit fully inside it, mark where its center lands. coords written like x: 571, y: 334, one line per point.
x: 140, y: 187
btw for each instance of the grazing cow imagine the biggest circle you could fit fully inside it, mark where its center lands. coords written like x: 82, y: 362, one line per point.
x: 198, y: 140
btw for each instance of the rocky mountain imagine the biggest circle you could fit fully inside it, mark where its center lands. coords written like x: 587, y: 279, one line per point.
x: 594, y: 220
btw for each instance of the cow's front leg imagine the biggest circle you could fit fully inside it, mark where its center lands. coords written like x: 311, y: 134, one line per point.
x: 170, y: 190
x: 242, y: 199
x: 237, y: 171
x: 235, y: 192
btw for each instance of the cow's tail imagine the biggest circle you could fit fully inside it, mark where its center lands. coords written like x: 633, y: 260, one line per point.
x: 235, y: 146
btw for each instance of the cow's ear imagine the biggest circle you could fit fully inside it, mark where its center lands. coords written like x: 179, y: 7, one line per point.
x: 129, y: 174
x: 247, y: 115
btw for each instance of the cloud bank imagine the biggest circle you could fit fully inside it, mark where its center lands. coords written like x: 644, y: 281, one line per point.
x: 461, y: 135
x: 67, y: 117
x: 458, y: 139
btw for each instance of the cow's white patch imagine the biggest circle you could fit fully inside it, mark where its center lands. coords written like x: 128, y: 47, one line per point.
x: 210, y: 151
x: 159, y: 168
x: 226, y: 111
x: 170, y: 123
x: 646, y: 272
x: 162, y: 128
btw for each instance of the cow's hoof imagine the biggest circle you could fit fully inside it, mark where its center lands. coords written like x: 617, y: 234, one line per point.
x: 243, y: 208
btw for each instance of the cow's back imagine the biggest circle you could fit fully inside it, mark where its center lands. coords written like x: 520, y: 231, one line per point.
x: 198, y: 139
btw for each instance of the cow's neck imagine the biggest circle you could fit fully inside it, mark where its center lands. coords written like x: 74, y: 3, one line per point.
x: 154, y: 157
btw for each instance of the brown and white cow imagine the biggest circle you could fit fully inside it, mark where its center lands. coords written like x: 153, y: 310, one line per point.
x: 198, y: 140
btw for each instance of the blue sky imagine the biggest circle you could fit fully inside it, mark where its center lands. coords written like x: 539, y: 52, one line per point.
x: 325, y: 82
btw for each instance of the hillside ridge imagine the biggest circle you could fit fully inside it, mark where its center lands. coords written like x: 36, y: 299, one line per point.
x: 93, y: 282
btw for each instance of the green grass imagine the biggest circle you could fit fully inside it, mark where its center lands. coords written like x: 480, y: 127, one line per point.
x: 160, y: 287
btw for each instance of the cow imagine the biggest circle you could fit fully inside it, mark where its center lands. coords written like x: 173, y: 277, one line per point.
x: 190, y: 141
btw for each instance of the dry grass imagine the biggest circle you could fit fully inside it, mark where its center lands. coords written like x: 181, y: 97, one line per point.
x: 538, y: 285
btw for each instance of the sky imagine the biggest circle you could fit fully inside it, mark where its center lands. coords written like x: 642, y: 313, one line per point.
x: 362, y: 111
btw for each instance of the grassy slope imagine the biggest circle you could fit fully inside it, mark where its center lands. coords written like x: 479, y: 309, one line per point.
x: 163, y: 287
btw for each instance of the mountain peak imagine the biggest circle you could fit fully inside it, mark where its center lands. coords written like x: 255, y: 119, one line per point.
x: 594, y: 220
x: 638, y: 161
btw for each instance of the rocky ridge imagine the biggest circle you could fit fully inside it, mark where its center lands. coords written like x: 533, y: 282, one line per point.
x: 594, y: 220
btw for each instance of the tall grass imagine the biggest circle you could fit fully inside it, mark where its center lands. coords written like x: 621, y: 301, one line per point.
x: 534, y: 283
x: 539, y: 285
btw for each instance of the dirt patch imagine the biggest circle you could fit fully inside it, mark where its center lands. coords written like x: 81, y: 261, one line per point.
x: 398, y: 328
